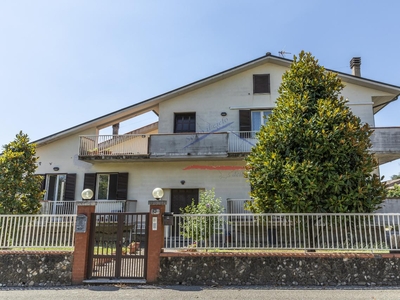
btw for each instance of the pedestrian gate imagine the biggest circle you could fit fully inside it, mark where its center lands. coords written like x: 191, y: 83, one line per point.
x: 118, y: 246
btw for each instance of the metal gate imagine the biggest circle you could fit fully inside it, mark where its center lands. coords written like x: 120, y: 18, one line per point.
x: 118, y: 246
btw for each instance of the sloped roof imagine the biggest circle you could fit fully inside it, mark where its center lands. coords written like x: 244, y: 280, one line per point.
x: 152, y: 103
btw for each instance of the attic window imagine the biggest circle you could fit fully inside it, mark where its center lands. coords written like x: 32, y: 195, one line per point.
x: 261, y: 84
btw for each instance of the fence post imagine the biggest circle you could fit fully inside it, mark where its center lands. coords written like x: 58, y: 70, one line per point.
x: 155, y: 239
x: 79, y: 265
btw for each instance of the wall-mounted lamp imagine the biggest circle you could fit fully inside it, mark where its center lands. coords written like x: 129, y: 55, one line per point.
x: 223, y: 114
x: 56, y: 169
x: 87, y: 194
x: 158, y: 193
x: 183, y: 182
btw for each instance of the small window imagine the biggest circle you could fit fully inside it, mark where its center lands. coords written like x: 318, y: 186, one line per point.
x: 261, y: 84
x: 185, y: 122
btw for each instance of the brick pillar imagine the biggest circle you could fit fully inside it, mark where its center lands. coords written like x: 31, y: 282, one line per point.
x: 155, y: 239
x: 79, y: 265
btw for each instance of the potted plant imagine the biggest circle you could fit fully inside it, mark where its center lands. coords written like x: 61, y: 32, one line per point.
x: 133, y: 247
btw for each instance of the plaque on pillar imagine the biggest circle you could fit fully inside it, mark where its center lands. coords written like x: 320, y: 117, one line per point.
x: 81, y: 223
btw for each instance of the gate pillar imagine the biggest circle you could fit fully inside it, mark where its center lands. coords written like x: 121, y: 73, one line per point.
x: 155, y: 239
x: 79, y: 265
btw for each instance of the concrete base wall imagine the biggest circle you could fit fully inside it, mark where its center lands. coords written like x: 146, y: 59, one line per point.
x: 276, y: 269
x: 20, y: 268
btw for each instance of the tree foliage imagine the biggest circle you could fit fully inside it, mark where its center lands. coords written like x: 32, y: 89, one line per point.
x: 394, y: 192
x: 20, y: 188
x: 313, y: 153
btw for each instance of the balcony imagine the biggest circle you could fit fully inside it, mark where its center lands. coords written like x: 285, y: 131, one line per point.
x: 385, y: 144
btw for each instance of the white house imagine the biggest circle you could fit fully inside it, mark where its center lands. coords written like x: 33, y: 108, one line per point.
x: 203, y: 131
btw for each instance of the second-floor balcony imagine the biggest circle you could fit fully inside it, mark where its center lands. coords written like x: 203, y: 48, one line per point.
x: 385, y: 143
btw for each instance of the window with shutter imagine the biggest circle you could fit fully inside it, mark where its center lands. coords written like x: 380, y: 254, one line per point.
x: 107, y: 186
x: 261, y: 84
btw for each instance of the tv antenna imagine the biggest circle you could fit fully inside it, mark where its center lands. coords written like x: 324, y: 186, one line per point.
x: 282, y: 53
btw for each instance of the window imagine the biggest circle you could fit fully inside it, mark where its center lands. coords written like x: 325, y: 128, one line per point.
x: 251, y: 120
x: 55, y: 187
x: 107, y: 186
x: 261, y: 84
x: 185, y: 122
x: 259, y: 118
x: 59, y: 187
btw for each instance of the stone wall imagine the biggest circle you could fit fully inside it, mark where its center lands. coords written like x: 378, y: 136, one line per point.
x: 304, y: 269
x: 39, y: 268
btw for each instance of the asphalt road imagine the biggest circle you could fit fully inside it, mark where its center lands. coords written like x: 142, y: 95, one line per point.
x: 197, y: 292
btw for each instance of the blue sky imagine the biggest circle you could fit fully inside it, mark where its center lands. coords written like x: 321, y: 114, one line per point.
x: 65, y: 62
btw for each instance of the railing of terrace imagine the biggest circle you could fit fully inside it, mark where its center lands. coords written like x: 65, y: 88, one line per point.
x: 69, y: 207
x: 237, y: 206
x: 37, y: 231
x: 346, y: 232
x: 241, y: 141
x: 114, y: 145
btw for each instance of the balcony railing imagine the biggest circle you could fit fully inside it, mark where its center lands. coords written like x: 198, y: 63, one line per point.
x: 102, y: 206
x: 114, y: 145
x: 237, y: 206
x: 385, y: 143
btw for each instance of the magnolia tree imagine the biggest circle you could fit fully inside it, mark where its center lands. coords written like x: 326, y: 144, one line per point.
x: 313, y: 153
x: 198, y: 226
x: 20, y: 188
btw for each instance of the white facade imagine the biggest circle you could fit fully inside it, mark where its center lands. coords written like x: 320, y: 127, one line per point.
x: 216, y: 102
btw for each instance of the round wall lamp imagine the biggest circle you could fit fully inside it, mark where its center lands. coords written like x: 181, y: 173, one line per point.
x: 56, y: 169
x: 223, y: 114
x: 158, y: 193
x: 183, y: 182
x: 87, y: 194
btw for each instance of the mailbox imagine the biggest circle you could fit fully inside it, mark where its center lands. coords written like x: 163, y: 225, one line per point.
x: 168, y: 218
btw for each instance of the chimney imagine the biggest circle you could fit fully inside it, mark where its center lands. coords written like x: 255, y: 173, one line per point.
x: 355, y: 65
x: 115, y: 129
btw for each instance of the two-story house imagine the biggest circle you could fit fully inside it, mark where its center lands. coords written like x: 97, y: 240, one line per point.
x: 204, y: 130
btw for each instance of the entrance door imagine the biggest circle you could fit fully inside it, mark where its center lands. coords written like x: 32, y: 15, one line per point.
x: 118, y: 246
x: 181, y: 198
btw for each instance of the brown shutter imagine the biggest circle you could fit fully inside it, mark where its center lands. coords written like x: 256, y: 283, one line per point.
x: 244, y: 120
x: 90, y: 183
x: 122, y: 186
x: 261, y: 83
x: 70, y: 187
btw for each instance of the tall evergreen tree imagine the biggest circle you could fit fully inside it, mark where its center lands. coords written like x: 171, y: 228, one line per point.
x: 313, y: 153
x: 20, y: 188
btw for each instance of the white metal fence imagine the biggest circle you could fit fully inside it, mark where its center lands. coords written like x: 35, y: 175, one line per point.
x: 37, y: 231
x: 285, y: 231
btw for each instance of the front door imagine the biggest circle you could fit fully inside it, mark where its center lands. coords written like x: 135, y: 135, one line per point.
x: 180, y: 198
x: 118, y: 246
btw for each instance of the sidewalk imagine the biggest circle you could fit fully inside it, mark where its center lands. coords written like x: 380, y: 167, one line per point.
x: 196, y: 292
